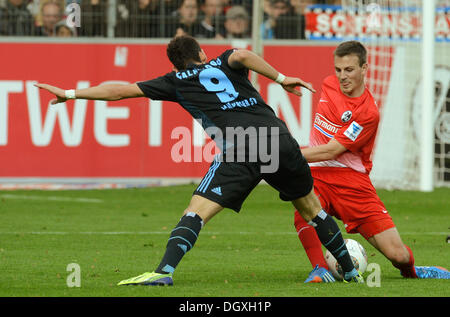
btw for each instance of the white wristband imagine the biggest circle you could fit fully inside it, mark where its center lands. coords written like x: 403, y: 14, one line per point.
x: 280, y: 78
x: 70, y: 94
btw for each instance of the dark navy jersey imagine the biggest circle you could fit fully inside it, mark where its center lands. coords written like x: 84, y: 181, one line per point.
x: 218, y: 96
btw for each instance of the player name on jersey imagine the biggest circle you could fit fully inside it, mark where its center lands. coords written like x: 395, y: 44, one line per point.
x: 188, y: 73
x: 241, y: 103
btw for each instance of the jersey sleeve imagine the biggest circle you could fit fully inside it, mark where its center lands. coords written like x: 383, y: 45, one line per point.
x: 358, y: 132
x: 160, y: 88
x: 224, y: 58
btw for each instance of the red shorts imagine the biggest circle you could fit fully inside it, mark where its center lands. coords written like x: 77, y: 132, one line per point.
x: 350, y: 196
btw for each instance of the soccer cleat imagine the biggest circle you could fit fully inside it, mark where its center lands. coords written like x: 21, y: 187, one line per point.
x: 319, y: 275
x: 149, y: 279
x: 353, y: 276
x: 432, y: 272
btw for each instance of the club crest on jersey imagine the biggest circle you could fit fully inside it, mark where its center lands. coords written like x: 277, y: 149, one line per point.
x: 346, y: 116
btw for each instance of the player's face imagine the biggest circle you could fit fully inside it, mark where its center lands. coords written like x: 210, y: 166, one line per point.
x: 350, y: 74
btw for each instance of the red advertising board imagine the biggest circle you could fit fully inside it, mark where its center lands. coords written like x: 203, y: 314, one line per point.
x: 335, y: 22
x: 127, y: 138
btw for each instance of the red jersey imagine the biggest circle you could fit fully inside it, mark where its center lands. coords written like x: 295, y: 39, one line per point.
x: 353, y: 122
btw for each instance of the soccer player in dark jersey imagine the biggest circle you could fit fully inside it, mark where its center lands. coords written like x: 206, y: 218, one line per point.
x: 219, y: 95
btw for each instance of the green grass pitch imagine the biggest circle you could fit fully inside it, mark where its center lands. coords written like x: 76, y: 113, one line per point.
x: 120, y: 233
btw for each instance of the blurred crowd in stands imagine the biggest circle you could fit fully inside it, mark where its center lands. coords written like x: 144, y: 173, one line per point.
x: 212, y: 19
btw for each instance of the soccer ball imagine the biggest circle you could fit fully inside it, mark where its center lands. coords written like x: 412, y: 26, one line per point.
x: 357, y: 254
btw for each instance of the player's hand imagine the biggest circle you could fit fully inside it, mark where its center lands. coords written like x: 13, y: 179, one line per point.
x: 58, y: 92
x: 291, y: 83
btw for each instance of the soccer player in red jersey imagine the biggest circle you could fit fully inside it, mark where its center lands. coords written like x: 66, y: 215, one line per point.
x: 341, y: 144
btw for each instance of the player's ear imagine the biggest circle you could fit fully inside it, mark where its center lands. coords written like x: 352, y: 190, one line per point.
x: 365, y: 67
x: 203, y: 57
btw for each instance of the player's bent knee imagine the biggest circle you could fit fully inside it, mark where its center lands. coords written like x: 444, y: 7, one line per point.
x: 203, y: 207
x: 308, y: 206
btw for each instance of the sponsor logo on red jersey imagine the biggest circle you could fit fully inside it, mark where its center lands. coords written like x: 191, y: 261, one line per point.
x: 324, y: 126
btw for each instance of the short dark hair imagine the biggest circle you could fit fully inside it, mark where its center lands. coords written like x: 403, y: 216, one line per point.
x: 183, y: 50
x: 352, y: 48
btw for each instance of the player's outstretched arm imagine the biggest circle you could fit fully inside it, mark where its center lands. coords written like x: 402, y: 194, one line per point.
x: 108, y: 92
x: 245, y: 58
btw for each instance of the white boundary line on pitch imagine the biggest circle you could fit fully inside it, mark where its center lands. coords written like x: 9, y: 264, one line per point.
x: 52, y: 198
x: 211, y: 233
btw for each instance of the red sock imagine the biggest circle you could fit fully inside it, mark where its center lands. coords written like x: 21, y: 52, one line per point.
x: 310, y: 241
x: 407, y: 270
